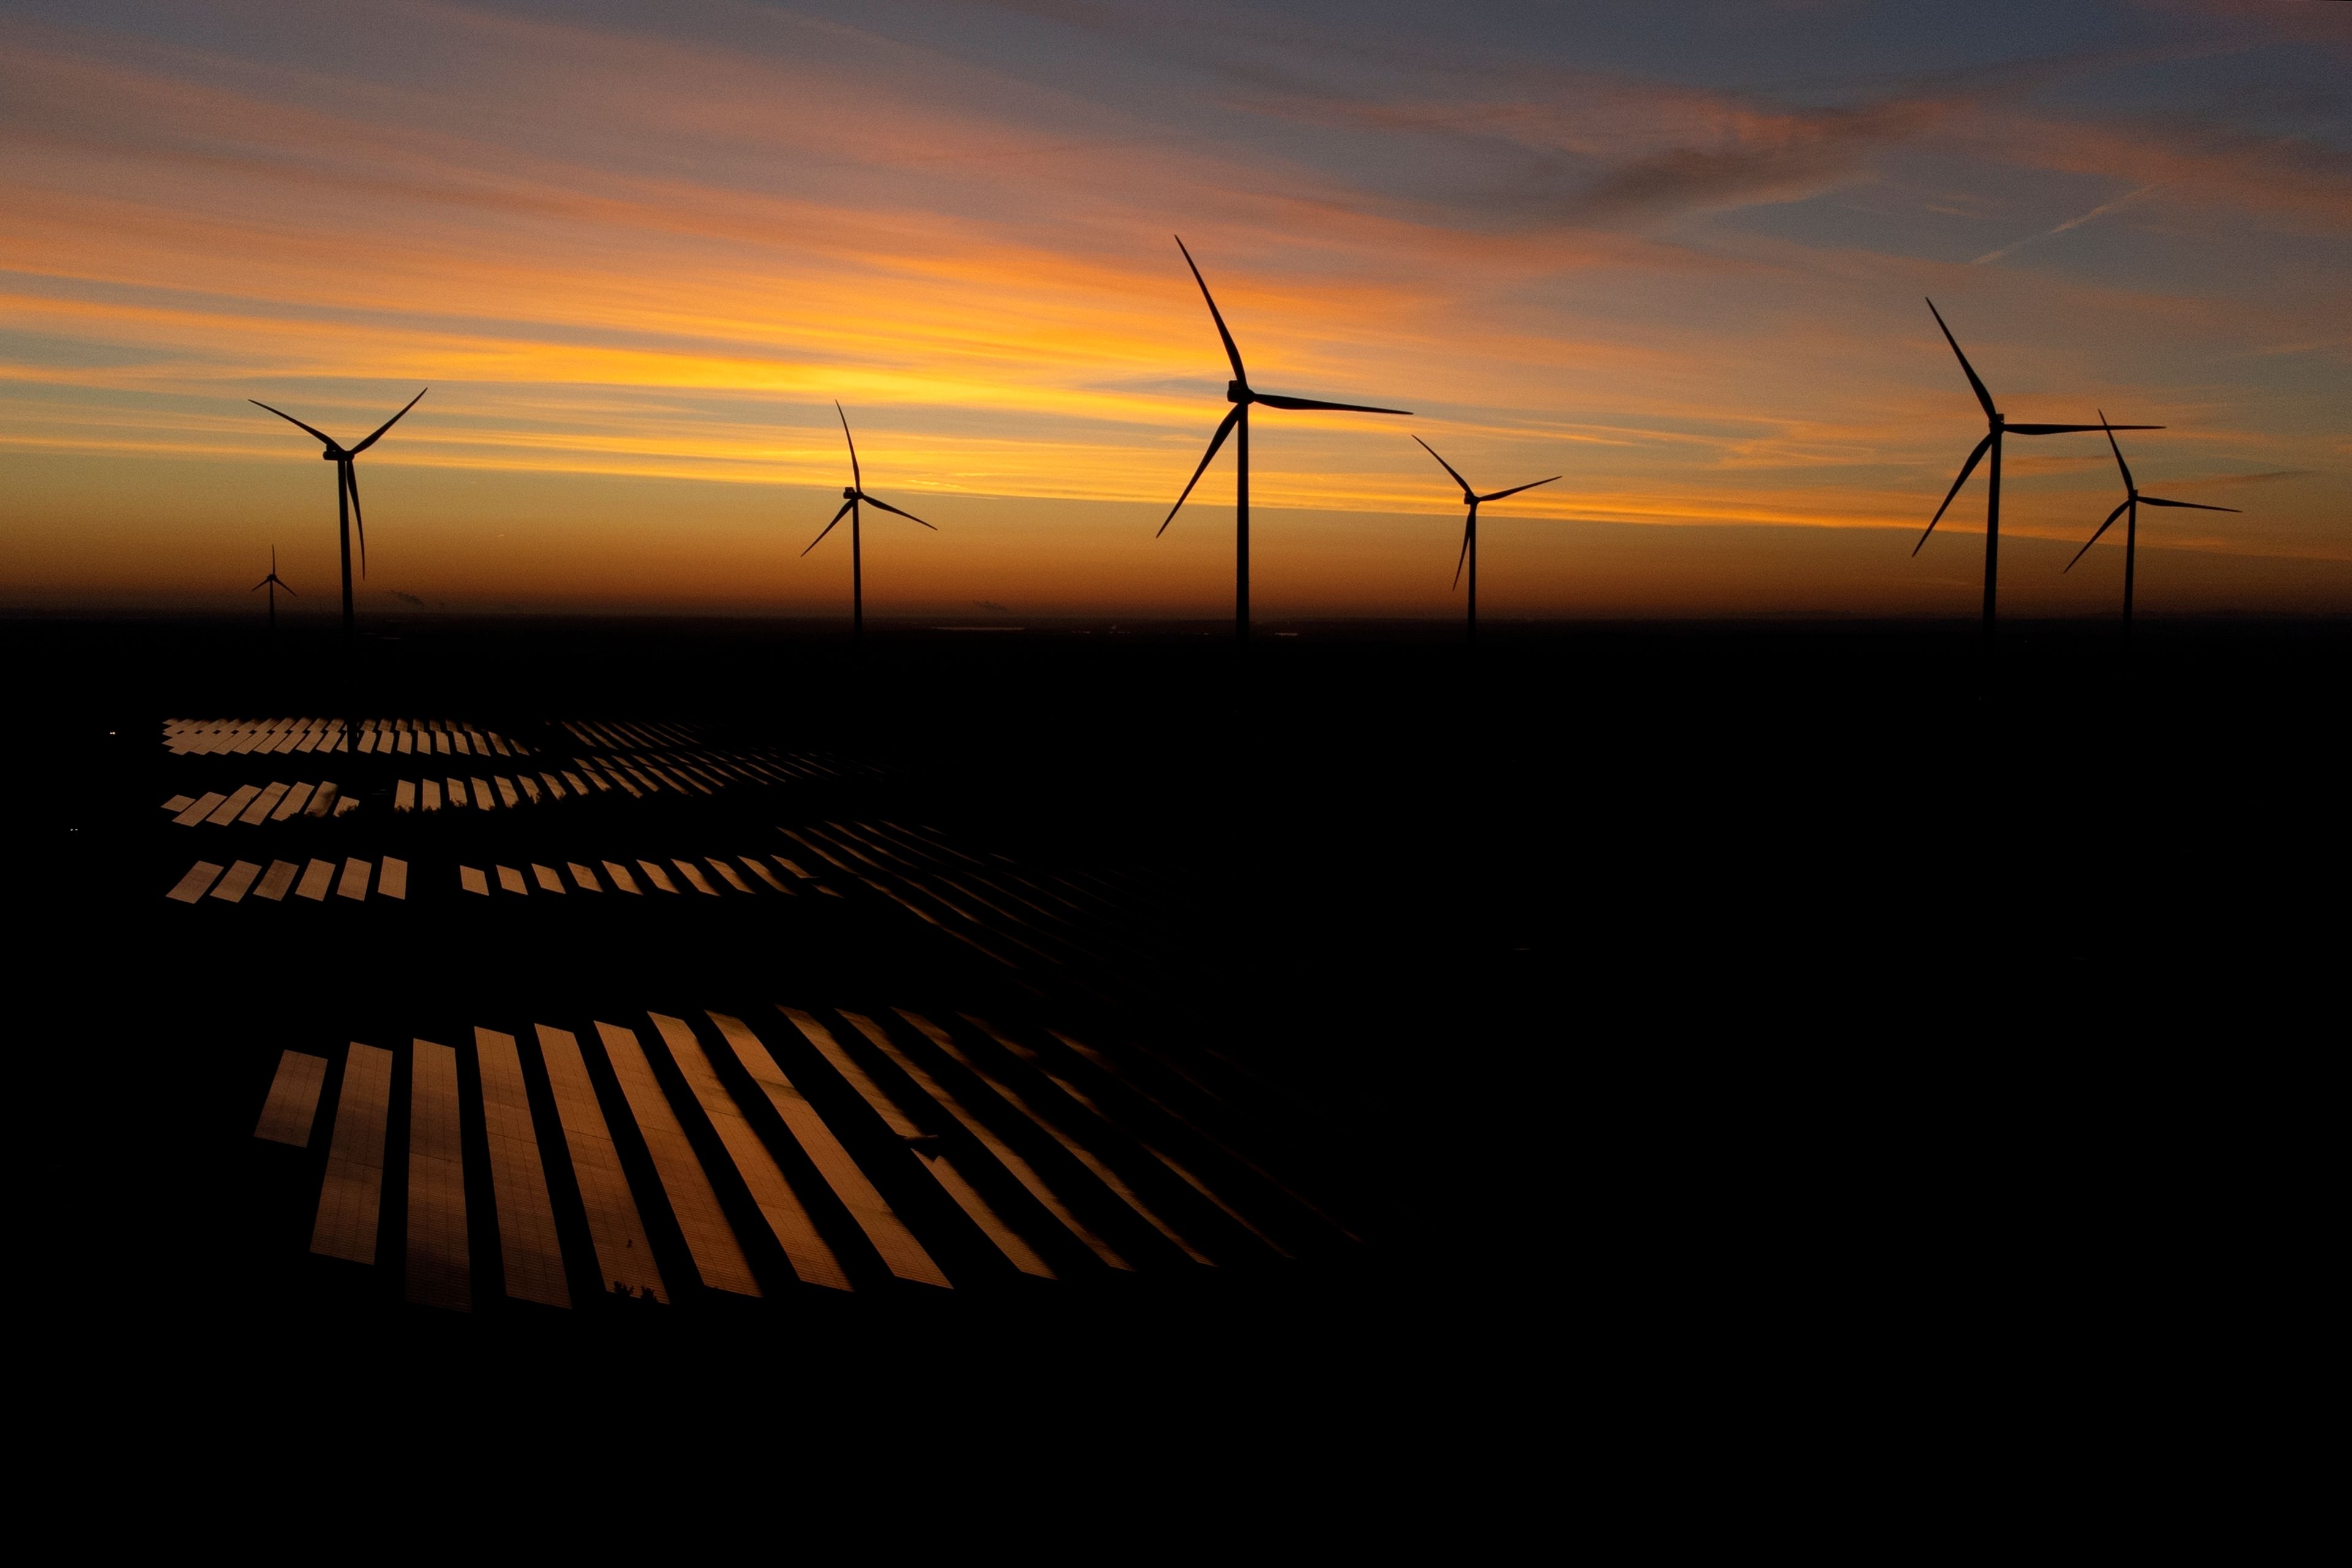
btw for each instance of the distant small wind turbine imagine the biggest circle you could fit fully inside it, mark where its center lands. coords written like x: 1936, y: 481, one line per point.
x: 1469, y: 556
x: 1238, y: 394
x: 347, y: 492
x: 1996, y: 426
x: 2129, y: 509
x: 273, y: 583
x: 852, y: 495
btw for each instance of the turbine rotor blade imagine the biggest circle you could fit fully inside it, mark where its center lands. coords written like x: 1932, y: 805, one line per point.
x: 2117, y: 450
x: 2185, y: 505
x: 1231, y: 352
x: 351, y: 478
x: 828, y: 527
x: 886, y: 505
x: 1514, y: 489
x: 281, y: 583
x: 387, y: 425
x: 258, y: 587
x: 2094, y: 538
x: 314, y: 430
x: 2071, y: 429
x: 1982, y: 396
x: 1312, y: 403
x: 1225, y: 429
x: 1966, y: 469
x: 1446, y: 465
x: 1465, y: 556
x: 856, y: 479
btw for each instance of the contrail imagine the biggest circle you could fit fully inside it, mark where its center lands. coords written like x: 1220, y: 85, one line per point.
x: 2100, y: 211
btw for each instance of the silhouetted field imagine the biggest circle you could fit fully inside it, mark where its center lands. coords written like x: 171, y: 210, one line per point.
x: 1636, y: 993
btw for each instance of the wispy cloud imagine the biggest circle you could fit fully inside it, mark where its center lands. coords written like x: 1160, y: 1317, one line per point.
x: 2101, y: 210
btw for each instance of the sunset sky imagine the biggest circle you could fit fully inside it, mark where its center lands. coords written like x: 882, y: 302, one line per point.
x: 1677, y: 254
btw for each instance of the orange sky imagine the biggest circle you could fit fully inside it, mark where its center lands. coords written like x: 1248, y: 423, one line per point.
x: 635, y: 267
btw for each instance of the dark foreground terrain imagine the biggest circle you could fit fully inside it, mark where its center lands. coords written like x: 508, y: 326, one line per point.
x: 1612, y: 1024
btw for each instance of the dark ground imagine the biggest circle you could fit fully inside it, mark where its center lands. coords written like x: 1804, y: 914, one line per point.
x: 1703, y: 1018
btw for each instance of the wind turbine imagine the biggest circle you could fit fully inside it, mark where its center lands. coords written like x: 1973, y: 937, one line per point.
x: 1469, y: 556
x: 1995, y: 429
x: 2129, y: 510
x: 852, y: 495
x: 273, y: 583
x: 1239, y: 394
x: 347, y: 493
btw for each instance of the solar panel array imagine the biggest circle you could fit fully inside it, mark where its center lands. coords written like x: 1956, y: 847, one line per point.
x: 668, y: 1156
x: 544, y: 1159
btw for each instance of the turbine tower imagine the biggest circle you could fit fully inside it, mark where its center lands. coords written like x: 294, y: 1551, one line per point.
x: 2129, y: 509
x: 1239, y: 394
x: 1996, y: 426
x: 853, y: 495
x: 273, y: 583
x: 347, y: 494
x: 1469, y: 556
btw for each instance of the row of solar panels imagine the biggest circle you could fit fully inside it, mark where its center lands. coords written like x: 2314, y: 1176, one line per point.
x: 583, y: 878
x: 999, y: 907
x: 996, y: 906
x: 277, y: 801
x: 231, y: 884
x: 255, y: 804
x: 813, y: 1155
x: 205, y: 878
x: 647, y: 773
x: 619, y: 737
x: 202, y: 736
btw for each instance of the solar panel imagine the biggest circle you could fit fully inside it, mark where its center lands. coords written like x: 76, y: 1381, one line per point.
x: 191, y: 888
x: 231, y: 888
x: 528, y: 1248
x: 293, y: 1103
x: 351, y: 1195
x: 438, y: 1269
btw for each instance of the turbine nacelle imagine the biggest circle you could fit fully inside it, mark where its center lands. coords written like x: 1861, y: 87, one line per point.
x: 1236, y: 392
x: 848, y: 493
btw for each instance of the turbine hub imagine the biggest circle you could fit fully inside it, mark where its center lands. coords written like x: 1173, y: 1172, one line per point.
x: 1236, y: 391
